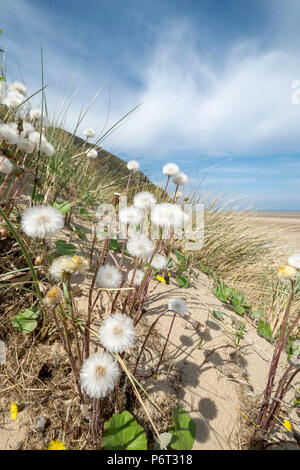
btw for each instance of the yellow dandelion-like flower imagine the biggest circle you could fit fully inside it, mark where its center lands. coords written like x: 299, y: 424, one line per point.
x: 56, y: 445
x: 14, y: 410
x: 76, y: 264
x: 68, y: 264
x: 287, y: 273
x: 161, y: 279
x: 54, y: 296
x: 288, y: 425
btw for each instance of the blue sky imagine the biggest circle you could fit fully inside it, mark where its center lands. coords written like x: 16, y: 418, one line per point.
x: 214, y: 78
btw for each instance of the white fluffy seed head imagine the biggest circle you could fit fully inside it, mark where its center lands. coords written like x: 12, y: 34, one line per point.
x: 47, y: 149
x: 170, y: 169
x: 133, y: 165
x: 181, y: 179
x: 6, y: 165
x: 9, y: 134
x: 89, y: 133
x: 92, y: 153
x: 99, y: 375
x: 36, y: 138
x: 13, y: 125
x: 167, y: 215
x: 13, y: 99
x: 159, y: 262
x: 138, y: 277
x: 27, y: 127
x: 144, y: 200
x: 108, y: 277
x: 177, y: 305
x: 294, y: 260
x: 35, y: 114
x: 25, y: 145
x: 117, y: 333
x: 139, y: 246
x: 56, y: 269
x: 20, y: 87
x: 42, y: 221
x: 130, y: 215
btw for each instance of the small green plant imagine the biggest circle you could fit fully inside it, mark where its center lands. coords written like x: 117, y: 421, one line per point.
x: 180, y: 262
x: 296, y: 401
x: 64, y: 207
x: 183, y: 430
x: 218, y: 315
x: 240, y: 328
x: 26, y: 321
x: 231, y: 296
x: 292, y: 347
x: 65, y: 248
x: 264, y: 330
x: 122, y: 432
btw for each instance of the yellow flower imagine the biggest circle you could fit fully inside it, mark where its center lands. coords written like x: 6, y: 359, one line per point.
x: 287, y: 424
x: 76, y: 264
x: 14, y: 410
x: 286, y: 273
x: 161, y: 279
x: 54, y: 296
x: 56, y: 445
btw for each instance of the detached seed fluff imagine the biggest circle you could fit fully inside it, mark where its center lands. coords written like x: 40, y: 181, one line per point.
x: 177, y: 305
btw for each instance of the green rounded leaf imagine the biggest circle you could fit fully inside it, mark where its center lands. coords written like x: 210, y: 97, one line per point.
x: 237, y: 307
x: 26, y: 320
x: 182, y: 280
x: 113, y: 244
x: 217, y: 314
x: 122, y: 432
x: 65, y: 248
x: 183, y: 430
x: 166, y: 438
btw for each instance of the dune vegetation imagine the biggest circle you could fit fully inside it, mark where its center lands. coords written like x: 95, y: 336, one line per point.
x: 75, y: 335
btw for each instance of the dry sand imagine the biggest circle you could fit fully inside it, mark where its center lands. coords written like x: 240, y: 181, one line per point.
x: 214, y: 386
x: 209, y: 383
x: 282, y: 228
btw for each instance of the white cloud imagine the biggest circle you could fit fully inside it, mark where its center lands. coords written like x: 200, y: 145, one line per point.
x: 192, y: 104
x: 241, y: 107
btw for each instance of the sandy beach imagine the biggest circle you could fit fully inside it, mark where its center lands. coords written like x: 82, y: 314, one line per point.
x: 282, y: 227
